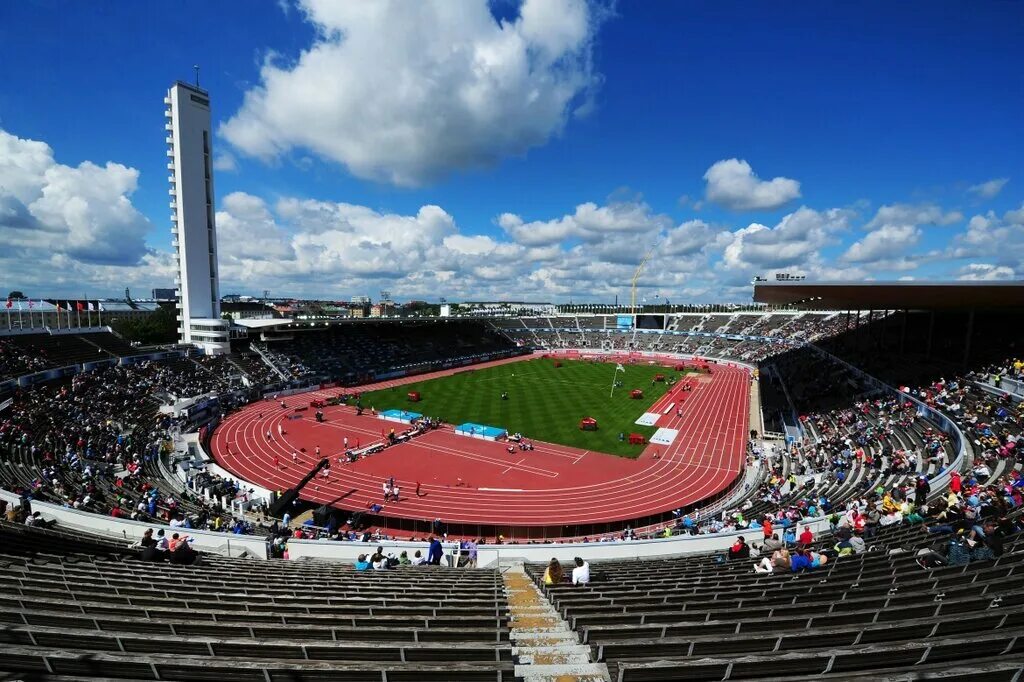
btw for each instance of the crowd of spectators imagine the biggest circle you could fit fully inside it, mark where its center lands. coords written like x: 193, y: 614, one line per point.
x: 16, y: 361
x: 92, y: 443
x: 356, y: 352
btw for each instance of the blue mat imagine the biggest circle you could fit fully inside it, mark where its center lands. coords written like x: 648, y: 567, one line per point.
x: 480, y: 431
x: 399, y: 415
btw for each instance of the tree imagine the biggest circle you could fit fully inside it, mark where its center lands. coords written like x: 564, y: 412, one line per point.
x: 160, y: 327
x: 16, y: 295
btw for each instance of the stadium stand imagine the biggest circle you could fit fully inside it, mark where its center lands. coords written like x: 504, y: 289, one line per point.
x: 354, y: 352
x: 880, y: 611
x: 92, y: 443
x: 902, y: 579
x: 96, y: 609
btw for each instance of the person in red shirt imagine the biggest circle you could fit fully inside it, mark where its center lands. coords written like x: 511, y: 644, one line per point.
x: 767, y: 527
x: 806, y: 537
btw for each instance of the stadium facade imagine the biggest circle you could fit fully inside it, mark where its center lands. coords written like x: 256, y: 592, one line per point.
x: 190, y: 153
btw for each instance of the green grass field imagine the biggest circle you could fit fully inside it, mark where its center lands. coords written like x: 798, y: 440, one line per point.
x: 544, y: 402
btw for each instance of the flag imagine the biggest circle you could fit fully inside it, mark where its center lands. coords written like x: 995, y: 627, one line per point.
x: 91, y: 308
x: 79, y: 306
x: 30, y: 305
x: 620, y: 368
x: 58, y: 307
x: 9, y: 303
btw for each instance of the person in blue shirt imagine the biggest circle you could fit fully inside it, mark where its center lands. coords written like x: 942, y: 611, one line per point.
x: 435, y: 552
x: 800, y: 561
x: 362, y: 564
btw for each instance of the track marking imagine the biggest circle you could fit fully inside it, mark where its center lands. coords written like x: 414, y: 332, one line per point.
x: 513, y: 466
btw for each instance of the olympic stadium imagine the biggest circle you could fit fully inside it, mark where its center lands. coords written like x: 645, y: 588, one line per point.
x: 808, y: 464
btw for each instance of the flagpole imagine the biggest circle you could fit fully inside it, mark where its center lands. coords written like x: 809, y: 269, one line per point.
x: 78, y: 313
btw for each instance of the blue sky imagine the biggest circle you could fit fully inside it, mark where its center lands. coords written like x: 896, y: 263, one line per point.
x: 519, y: 150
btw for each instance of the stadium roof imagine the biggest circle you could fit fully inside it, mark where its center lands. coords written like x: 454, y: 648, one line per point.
x: 892, y: 295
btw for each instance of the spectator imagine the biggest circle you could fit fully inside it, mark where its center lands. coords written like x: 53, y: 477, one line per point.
x: 581, y: 574
x: 806, y: 537
x: 740, y: 549
x: 361, y: 563
x: 435, y: 552
x: 553, y: 574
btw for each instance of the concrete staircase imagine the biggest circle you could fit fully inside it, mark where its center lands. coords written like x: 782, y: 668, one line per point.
x: 545, y: 648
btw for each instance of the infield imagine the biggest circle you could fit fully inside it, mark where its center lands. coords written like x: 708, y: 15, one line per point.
x: 543, y: 401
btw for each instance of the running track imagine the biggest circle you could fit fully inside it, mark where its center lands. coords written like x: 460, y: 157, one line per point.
x: 465, y: 480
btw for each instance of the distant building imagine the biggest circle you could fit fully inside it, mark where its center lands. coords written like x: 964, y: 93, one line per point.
x: 250, y: 310
x: 361, y: 300
x: 164, y: 295
x: 376, y: 310
x: 190, y: 153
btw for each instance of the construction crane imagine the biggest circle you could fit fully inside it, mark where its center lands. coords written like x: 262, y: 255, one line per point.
x: 636, y: 278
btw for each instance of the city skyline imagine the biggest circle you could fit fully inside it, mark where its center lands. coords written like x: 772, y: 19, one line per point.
x: 523, y: 151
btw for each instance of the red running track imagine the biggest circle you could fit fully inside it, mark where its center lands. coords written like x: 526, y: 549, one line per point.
x: 465, y: 480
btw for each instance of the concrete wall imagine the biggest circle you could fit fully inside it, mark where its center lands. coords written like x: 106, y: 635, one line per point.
x: 226, y: 544
x: 494, y: 555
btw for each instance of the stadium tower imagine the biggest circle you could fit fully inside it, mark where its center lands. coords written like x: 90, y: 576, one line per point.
x: 189, y: 148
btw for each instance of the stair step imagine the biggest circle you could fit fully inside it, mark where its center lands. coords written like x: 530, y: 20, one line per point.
x: 583, y: 672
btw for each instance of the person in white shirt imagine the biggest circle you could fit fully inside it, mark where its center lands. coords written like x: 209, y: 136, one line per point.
x: 581, y: 574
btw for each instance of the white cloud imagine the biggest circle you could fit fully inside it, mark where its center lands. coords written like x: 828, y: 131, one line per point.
x: 49, y: 209
x: 883, y: 244
x: 733, y: 184
x: 985, y: 271
x: 691, y: 237
x: 989, y: 236
x: 407, y: 92
x: 589, y: 222
x: 225, y: 162
x: 913, y: 214
x: 794, y: 242
x: 989, y: 189
x: 247, y: 230
x: 892, y: 235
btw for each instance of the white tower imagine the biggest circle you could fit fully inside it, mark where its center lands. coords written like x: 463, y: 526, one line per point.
x: 190, y: 161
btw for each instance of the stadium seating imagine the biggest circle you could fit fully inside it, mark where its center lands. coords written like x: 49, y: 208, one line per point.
x: 352, y: 352
x: 100, y: 611
x: 879, y: 611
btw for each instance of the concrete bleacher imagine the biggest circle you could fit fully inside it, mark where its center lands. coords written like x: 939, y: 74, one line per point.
x: 696, y: 619
x: 116, y: 616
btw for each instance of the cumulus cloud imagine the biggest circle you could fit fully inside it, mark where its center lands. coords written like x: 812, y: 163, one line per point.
x: 225, y: 162
x: 794, y: 242
x: 61, y: 222
x: 989, y: 189
x: 882, y: 244
x: 985, y: 271
x: 733, y: 184
x: 405, y: 93
x: 892, y: 235
x: 913, y: 214
x: 991, y: 236
x: 589, y: 222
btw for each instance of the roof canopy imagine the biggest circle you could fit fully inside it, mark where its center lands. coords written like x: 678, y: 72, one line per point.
x: 892, y: 295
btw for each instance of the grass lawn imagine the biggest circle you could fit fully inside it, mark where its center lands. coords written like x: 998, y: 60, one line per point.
x: 544, y: 402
